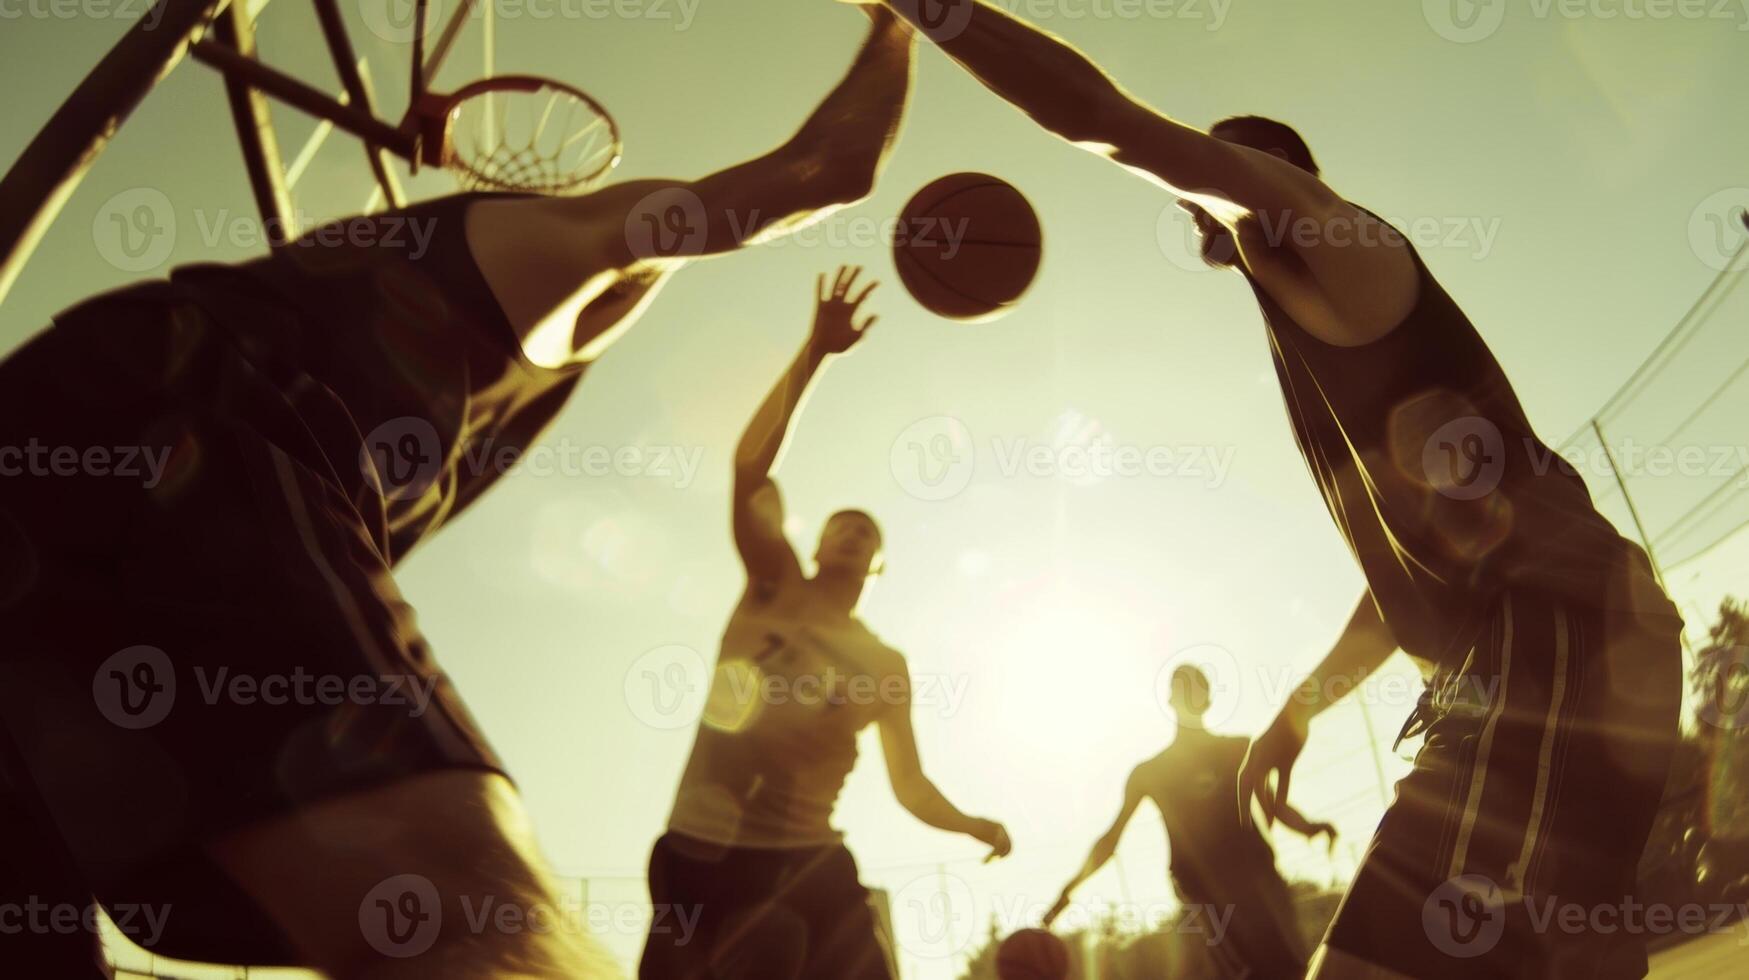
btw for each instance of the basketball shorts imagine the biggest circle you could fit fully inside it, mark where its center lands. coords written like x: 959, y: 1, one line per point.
x: 1511, y: 849
x: 197, y: 633
x: 742, y: 913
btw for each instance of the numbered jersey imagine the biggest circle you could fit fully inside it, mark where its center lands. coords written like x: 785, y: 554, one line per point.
x: 778, y: 733
x: 1435, y: 478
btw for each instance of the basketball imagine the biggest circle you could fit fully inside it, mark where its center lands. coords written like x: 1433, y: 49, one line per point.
x: 1032, y: 954
x: 968, y: 246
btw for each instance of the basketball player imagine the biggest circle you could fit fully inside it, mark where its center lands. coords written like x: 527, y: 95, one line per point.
x: 214, y: 699
x: 1222, y: 866
x: 1553, y: 651
x: 749, y: 849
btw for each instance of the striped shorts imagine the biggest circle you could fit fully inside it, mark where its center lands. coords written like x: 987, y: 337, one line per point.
x: 1511, y: 848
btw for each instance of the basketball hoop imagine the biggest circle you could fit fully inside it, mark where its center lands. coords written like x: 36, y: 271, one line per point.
x: 517, y: 133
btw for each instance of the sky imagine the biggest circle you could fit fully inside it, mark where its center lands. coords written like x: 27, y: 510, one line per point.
x: 1556, y: 163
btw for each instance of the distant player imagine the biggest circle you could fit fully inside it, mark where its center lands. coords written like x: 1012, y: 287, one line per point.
x: 750, y: 845
x: 209, y: 481
x: 1554, y: 653
x: 1221, y: 865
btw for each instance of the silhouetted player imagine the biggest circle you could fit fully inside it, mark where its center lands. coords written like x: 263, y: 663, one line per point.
x: 1220, y: 863
x: 750, y: 849
x: 307, y: 419
x: 1556, y: 669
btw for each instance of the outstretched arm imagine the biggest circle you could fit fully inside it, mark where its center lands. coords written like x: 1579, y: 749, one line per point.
x: 757, y: 506
x: 1067, y: 94
x: 832, y: 162
x: 1103, y: 848
x: 918, y: 794
x: 1365, y: 644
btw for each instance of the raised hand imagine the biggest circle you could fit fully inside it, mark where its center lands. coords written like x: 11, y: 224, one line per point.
x: 1274, y: 753
x: 835, y: 327
x: 995, y: 835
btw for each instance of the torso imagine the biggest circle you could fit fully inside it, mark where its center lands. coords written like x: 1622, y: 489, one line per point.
x: 1194, y: 783
x: 1430, y: 469
x: 792, y: 688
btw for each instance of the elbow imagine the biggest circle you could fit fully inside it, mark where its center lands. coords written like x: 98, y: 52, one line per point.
x: 912, y: 794
x: 833, y: 177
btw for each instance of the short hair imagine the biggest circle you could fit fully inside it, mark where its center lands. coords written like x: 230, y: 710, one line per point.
x: 1187, y: 675
x: 853, y: 512
x: 1269, y: 134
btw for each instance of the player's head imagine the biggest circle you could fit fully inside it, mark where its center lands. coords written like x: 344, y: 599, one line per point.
x: 1259, y: 133
x: 1270, y: 136
x: 850, y: 544
x: 1190, y: 693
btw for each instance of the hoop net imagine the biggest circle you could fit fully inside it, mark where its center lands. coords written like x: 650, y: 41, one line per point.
x: 551, y: 140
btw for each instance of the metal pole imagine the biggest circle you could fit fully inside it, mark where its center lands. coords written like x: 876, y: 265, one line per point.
x: 301, y: 96
x: 255, y: 132
x: 50, y: 168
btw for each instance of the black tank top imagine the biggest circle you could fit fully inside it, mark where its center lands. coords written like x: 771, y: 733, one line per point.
x: 1436, y: 480
x: 384, y: 334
